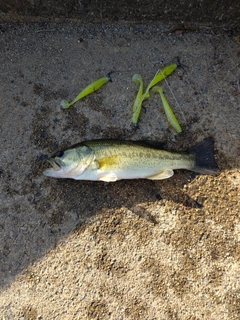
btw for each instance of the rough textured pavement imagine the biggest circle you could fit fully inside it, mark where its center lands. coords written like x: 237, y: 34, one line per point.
x: 131, y: 249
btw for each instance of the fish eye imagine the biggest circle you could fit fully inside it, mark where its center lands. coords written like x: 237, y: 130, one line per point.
x: 60, y: 154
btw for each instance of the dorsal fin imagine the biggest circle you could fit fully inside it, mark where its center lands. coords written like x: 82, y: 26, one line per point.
x: 153, y: 144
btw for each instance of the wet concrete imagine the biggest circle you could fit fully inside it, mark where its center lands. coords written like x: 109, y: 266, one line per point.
x: 184, y: 11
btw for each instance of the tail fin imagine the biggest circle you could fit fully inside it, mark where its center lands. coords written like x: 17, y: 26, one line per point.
x: 204, y: 157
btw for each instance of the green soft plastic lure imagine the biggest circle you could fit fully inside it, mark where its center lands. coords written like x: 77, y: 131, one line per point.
x: 94, y: 86
x: 168, y: 111
x: 137, y: 106
x: 159, y: 77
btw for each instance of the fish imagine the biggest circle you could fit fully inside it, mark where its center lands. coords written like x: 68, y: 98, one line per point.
x: 112, y: 160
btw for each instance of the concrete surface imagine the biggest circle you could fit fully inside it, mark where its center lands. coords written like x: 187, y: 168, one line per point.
x: 131, y: 249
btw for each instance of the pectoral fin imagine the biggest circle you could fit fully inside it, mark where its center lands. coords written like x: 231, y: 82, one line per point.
x: 162, y: 175
x: 108, y: 177
x: 107, y: 164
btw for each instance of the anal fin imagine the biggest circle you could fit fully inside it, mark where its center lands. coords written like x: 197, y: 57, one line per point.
x: 162, y: 175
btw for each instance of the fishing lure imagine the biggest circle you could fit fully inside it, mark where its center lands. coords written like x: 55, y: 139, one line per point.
x: 168, y: 111
x: 137, y: 106
x: 94, y: 86
x: 159, y: 77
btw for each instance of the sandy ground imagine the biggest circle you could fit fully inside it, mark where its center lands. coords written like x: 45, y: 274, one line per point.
x: 131, y: 249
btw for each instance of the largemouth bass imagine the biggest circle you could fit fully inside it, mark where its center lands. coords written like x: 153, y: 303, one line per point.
x: 112, y: 160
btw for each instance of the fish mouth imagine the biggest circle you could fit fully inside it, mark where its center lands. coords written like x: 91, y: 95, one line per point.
x: 56, y: 165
